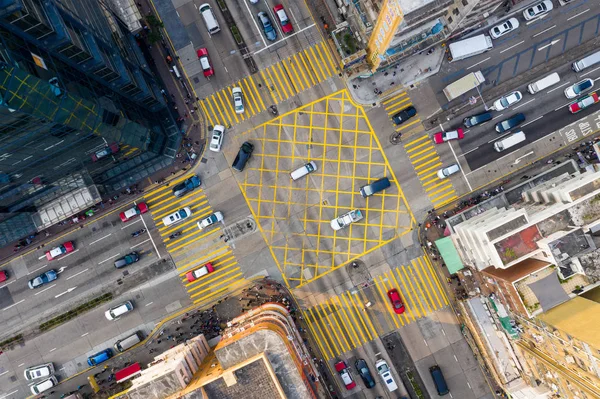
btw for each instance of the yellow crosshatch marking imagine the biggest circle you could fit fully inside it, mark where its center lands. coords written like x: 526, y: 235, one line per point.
x: 294, y: 216
x: 342, y: 322
x: 272, y: 85
x: 426, y: 161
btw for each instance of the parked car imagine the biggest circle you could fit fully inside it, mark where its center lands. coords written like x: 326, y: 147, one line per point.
x: 127, y: 260
x: 209, y: 221
x: 344, y: 372
x: 346, y: 219
x: 509, y: 123
x: 42, y: 279
x: 267, y: 26
x: 579, y: 88
x: 386, y: 375
x: 196, y: 274
x: 365, y: 374
x: 41, y: 371
x: 442, y: 137
x: 584, y: 102
x: 113, y: 148
x: 238, y: 100
x: 284, y: 21
x: 537, y: 10
x: 447, y: 171
x: 507, y: 100
x: 243, y: 155
x: 478, y: 119
x: 504, y: 28
x: 396, y: 301
x: 43, y: 386
x: 177, y: 217
x: 61, y: 250
x: 216, y: 140
x: 99, y: 357
x: 186, y: 186
x: 137, y: 209
x: 404, y: 115
x: 205, y: 63
x: 3, y: 276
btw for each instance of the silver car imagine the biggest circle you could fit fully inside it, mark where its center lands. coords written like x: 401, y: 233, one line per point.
x: 41, y: 371
x: 238, y: 100
x: 217, y: 138
x: 507, y: 100
x: 447, y: 171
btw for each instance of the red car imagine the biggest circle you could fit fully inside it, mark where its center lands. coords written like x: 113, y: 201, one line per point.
x: 442, y: 137
x: 396, y: 301
x: 207, y: 67
x: 583, y: 103
x: 59, y: 251
x: 284, y: 21
x: 111, y: 149
x: 342, y: 368
x: 203, y: 271
x: 134, y: 211
x: 3, y: 276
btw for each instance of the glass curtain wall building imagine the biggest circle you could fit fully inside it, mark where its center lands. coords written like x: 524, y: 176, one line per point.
x: 80, y: 111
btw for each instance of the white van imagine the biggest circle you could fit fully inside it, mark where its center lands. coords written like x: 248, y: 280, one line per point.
x: 586, y: 62
x: 509, y: 141
x: 123, y: 344
x: 470, y: 47
x: 543, y: 83
x: 44, y: 385
x: 209, y: 18
x: 304, y: 170
x: 119, y: 310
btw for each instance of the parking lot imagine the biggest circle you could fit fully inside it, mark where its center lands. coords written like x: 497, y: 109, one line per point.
x: 294, y: 216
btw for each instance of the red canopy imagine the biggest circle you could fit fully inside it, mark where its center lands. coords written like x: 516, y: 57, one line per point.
x: 128, y: 372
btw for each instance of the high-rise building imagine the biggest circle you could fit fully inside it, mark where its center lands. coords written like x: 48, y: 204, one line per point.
x: 80, y: 111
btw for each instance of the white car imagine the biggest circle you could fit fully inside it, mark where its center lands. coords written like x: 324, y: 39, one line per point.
x: 537, y: 10
x: 450, y: 170
x: 209, y: 221
x: 238, y: 100
x: 217, y: 138
x: 503, y: 28
x: 579, y: 88
x: 507, y: 100
x: 42, y: 386
x: 41, y: 371
x: 346, y: 219
x: 386, y: 375
x: 177, y: 217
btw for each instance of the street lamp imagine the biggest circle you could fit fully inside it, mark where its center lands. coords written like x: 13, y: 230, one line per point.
x: 482, y: 100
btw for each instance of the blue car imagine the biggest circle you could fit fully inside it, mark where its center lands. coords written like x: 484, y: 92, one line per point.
x: 100, y: 357
x: 43, y: 278
x: 186, y: 186
x: 264, y: 20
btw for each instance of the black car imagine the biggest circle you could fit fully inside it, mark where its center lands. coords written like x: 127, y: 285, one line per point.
x: 509, y: 123
x: 404, y: 115
x: 471, y: 121
x: 365, y: 374
x: 243, y: 156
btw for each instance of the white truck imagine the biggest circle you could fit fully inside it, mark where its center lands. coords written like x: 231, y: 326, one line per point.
x: 346, y: 219
x: 463, y: 85
x: 469, y: 47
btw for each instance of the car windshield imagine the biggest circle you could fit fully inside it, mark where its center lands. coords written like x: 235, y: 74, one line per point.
x: 383, y: 368
x: 182, y: 213
x: 504, y: 102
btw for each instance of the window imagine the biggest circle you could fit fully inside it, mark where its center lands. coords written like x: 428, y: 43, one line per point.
x: 77, y: 50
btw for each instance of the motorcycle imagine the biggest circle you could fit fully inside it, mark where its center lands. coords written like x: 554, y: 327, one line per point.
x: 137, y: 233
x: 175, y: 235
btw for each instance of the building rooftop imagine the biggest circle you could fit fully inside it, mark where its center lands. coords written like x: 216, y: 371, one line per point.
x: 518, y: 245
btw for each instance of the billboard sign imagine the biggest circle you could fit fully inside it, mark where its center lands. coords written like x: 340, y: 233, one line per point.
x: 389, y: 19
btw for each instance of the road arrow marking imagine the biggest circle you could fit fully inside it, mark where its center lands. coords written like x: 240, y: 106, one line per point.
x: 521, y: 157
x: 71, y: 289
x: 552, y: 43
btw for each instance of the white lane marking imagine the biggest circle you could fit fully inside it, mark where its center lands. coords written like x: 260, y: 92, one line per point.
x: 557, y: 87
x: 544, y: 31
x: 52, y: 350
x: 536, y: 19
x: 83, y: 335
x: 499, y: 137
x: 513, y: 46
x: 469, y: 151
x: 99, y: 239
x: 150, y: 235
x: 587, y: 73
x: 136, y: 245
x: 150, y: 303
x: 42, y: 257
x: 2, y: 286
x: 497, y: 116
x: 1, y: 374
x: 39, y: 268
x: 106, y: 260
x: 562, y: 106
x: 14, y: 304
x: 530, y: 122
x: 20, y: 365
x: 552, y: 43
x: 44, y: 290
x: 467, y: 131
x: 66, y: 292
x: 287, y: 37
x: 480, y: 62
x: 461, y: 169
x: 455, y: 358
x: 533, y: 99
x: 293, y: 16
x: 130, y: 223
x: 8, y: 394
x: 77, y: 274
x: 576, y: 15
